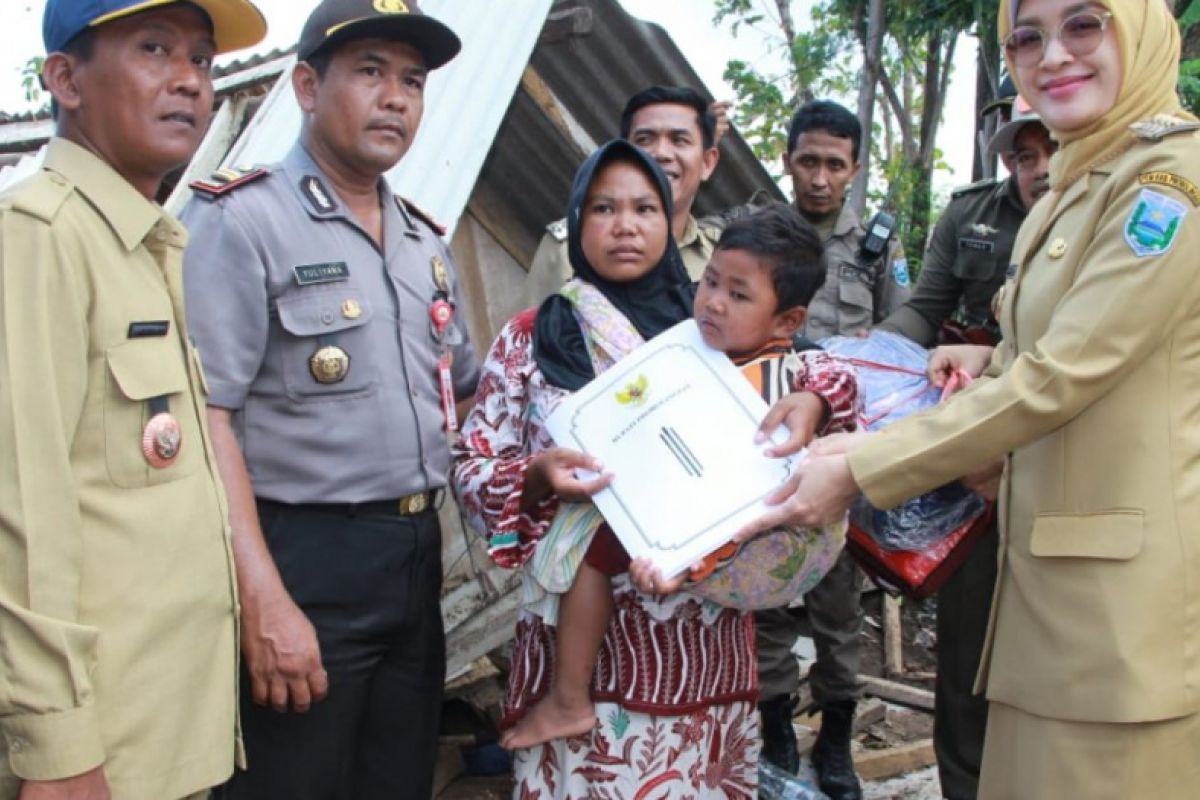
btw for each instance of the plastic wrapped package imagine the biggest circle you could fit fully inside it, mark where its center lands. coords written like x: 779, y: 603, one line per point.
x: 893, y: 384
x: 777, y: 784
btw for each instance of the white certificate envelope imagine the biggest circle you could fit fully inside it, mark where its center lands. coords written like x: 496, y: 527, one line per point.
x: 674, y: 421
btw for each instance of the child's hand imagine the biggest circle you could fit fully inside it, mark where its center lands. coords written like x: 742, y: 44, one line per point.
x: 649, y: 578
x: 971, y: 358
x: 552, y: 472
x: 802, y: 413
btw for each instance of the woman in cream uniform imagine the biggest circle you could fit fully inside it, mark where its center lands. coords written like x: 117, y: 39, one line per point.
x: 1092, y: 664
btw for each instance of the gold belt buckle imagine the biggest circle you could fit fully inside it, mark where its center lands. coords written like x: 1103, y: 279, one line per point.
x: 414, y: 503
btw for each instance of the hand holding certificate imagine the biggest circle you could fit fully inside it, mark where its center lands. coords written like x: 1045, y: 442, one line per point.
x: 675, y: 423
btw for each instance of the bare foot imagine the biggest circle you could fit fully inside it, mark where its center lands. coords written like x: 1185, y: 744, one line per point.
x: 552, y: 718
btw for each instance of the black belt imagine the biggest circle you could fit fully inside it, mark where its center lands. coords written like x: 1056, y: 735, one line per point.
x: 408, y: 506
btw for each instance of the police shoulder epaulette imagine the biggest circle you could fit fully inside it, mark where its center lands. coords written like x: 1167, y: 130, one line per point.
x: 1162, y: 125
x: 558, y: 229
x: 40, y: 197
x: 224, y: 181
x: 422, y: 215
x: 977, y: 186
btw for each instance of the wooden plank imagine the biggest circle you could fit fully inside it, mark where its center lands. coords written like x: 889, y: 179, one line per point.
x: 482, y: 633
x: 898, y: 693
x: 449, y: 767
x: 893, y: 636
x: 876, y: 765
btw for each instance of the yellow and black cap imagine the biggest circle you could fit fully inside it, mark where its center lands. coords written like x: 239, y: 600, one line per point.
x: 337, y: 21
x: 236, y: 23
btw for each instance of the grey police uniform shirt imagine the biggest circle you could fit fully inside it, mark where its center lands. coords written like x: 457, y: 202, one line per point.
x: 965, y: 264
x: 278, y: 268
x: 857, y: 293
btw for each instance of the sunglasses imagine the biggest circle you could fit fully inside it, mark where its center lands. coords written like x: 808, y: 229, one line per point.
x: 1080, y: 35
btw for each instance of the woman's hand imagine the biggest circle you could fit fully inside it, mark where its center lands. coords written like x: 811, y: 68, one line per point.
x: 649, y: 578
x: 819, y: 493
x: 970, y: 358
x: 552, y: 473
x: 802, y: 413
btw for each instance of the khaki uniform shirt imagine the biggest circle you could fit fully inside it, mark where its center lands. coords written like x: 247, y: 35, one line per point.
x: 1094, y: 397
x: 965, y: 264
x: 117, y: 599
x: 279, y: 269
x: 551, y: 266
x: 857, y: 293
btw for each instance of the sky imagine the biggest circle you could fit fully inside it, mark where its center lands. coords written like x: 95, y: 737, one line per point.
x: 689, y: 22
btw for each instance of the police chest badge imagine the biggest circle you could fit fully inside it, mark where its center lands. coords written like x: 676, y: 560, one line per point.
x: 1153, y: 224
x: 330, y: 364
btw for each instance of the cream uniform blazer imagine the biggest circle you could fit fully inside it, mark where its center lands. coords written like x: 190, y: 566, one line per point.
x: 1095, y: 397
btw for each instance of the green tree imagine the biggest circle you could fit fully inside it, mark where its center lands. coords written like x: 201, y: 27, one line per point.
x: 900, y: 76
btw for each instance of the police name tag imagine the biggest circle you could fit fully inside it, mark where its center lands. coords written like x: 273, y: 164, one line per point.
x: 980, y: 245
x: 308, y: 274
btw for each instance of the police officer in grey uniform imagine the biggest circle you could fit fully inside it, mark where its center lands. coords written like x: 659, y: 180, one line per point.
x: 324, y: 307
x: 867, y: 279
x: 965, y: 266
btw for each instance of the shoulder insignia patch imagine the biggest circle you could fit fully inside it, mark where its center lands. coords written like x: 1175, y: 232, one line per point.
x: 1162, y: 125
x: 424, y: 216
x: 1177, y: 182
x: 1153, y: 224
x: 900, y: 271
x: 224, y: 181
x: 986, y: 183
x: 558, y: 229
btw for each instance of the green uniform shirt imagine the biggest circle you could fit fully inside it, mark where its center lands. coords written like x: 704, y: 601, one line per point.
x: 857, y: 293
x: 551, y: 266
x: 117, y: 598
x: 965, y: 264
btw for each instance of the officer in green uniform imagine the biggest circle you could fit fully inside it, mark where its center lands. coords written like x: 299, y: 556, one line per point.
x: 679, y: 129
x: 118, y: 651
x: 866, y: 279
x: 329, y: 314
x: 965, y: 266
x: 968, y: 255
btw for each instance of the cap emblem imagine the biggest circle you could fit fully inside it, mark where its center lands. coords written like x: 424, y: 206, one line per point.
x: 391, y: 6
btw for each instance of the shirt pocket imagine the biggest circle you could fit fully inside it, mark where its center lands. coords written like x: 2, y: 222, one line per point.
x: 1110, y: 536
x: 141, y: 370
x: 856, y: 296
x: 312, y: 321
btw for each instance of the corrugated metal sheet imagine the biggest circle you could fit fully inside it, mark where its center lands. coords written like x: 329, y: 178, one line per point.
x: 27, y: 165
x: 465, y: 104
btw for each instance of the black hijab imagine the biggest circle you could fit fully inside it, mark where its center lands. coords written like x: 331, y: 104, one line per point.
x: 652, y: 303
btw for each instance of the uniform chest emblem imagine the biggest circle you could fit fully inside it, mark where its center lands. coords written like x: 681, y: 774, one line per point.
x: 1153, y: 224
x: 982, y: 229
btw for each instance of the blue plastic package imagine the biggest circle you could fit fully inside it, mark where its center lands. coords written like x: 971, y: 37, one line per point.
x: 893, y: 385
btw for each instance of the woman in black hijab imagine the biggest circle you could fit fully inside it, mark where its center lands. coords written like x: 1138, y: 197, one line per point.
x: 522, y: 493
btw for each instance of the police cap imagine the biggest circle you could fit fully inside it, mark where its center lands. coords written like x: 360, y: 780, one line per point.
x: 336, y: 21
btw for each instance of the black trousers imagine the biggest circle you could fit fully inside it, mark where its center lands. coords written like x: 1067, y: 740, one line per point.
x: 960, y: 716
x: 371, y: 585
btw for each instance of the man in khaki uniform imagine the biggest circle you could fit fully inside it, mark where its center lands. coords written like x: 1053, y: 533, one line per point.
x: 117, y: 601
x: 679, y: 129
